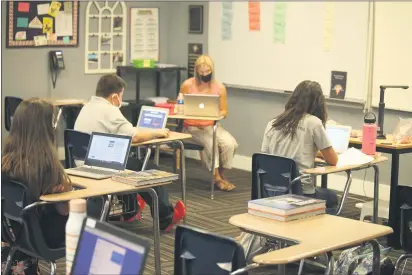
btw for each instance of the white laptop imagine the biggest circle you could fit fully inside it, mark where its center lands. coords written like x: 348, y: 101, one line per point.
x: 106, y: 156
x: 202, y: 105
x: 339, y: 136
x: 152, y: 118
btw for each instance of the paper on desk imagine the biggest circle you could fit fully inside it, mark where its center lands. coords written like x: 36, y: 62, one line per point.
x: 353, y: 157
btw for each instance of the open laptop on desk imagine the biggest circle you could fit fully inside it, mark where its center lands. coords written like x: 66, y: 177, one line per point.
x: 339, y: 136
x: 202, y: 105
x: 152, y: 118
x: 106, y: 249
x: 106, y: 156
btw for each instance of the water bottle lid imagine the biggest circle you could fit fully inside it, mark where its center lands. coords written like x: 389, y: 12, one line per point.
x: 369, y: 118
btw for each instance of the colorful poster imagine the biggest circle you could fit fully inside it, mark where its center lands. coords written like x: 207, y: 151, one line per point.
x: 47, y: 25
x: 21, y: 36
x: 23, y: 7
x: 42, y: 9
x: 227, y: 19
x: 54, y: 8
x: 338, y: 84
x: 35, y: 23
x: 279, y: 22
x: 328, y: 25
x: 22, y: 22
x: 254, y: 16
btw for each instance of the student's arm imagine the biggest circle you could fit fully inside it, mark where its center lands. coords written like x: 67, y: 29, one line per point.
x: 146, y: 135
x: 223, y: 100
x: 323, y: 144
x: 185, y: 88
x: 265, y: 142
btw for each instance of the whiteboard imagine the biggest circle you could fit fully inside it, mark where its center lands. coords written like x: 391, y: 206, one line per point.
x: 393, y: 53
x: 252, y: 59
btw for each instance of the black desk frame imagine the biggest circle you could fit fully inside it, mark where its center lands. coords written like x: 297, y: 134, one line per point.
x: 157, y: 71
x: 394, y: 207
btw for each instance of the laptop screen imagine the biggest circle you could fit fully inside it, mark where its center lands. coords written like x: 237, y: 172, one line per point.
x: 152, y: 118
x: 339, y: 137
x: 100, y: 252
x: 108, y: 151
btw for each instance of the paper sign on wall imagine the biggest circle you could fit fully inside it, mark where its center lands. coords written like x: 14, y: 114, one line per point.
x: 21, y: 36
x: 42, y: 9
x: 54, y: 8
x: 40, y: 40
x: 35, y: 23
x: 23, y: 7
x: 254, y: 16
x: 68, y: 7
x: 64, y: 24
x: 47, y: 25
x: 22, y: 22
x: 51, y: 37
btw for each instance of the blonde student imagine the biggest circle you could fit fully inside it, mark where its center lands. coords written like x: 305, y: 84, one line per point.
x: 299, y: 133
x: 204, y: 82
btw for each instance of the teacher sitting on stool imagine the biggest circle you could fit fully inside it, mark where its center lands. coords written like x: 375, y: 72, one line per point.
x: 202, y: 130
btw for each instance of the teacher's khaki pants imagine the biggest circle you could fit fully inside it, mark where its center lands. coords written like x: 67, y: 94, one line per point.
x: 225, y: 149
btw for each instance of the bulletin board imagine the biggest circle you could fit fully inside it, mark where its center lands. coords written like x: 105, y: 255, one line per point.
x: 42, y: 24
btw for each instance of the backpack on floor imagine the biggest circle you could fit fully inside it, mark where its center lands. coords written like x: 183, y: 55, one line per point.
x: 359, y: 261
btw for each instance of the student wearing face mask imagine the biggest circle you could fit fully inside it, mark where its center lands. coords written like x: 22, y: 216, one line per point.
x: 204, y: 82
x: 102, y: 114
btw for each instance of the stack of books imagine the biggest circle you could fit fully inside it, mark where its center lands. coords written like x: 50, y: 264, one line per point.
x: 286, y: 207
x: 144, y: 177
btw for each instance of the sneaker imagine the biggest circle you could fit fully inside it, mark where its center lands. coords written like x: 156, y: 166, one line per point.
x: 178, y: 215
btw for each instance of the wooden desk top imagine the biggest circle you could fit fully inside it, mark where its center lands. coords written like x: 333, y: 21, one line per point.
x: 333, y: 169
x: 315, y: 235
x: 173, y: 136
x: 94, y: 188
x: 58, y: 102
x: 382, y: 143
x: 196, y: 117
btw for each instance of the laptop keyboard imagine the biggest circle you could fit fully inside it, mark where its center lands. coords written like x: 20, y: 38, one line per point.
x: 94, y: 171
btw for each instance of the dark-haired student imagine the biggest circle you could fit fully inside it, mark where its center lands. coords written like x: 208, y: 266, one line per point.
x: 102, y: 114
x: 299, y: 133
x: 29, y: 156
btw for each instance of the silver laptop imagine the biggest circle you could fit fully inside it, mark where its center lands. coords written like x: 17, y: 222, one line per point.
x: 339, y: 136
x: 202, y: 105
x: 106, y: 156
x: 152, y: 118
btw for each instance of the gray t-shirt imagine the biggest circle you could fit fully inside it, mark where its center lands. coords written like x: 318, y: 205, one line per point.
x: 310, y: 137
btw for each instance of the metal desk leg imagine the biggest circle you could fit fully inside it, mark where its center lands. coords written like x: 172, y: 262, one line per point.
x: 394, y: 215
x: 157, y: 153
x: 281, y: 267
x: 324, y: 181
x: 106, y: 206
x: 146, y: 158
x: 212, y: 192
x: 156, y: 230
x: 182, y: 172
x: 375, y: 194
x: 345, y: 191
x: 376, y: 267
x: 329, y: 269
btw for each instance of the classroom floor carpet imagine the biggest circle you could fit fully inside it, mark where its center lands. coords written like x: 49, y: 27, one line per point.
x: 213, y: 215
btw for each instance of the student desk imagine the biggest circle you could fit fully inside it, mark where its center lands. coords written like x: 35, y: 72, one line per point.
x: 395, y: 150
x: 348, y: 169
x: 311, y: 237
x: 174, y: 137
x: 215, y: 119
x: 107, y: 188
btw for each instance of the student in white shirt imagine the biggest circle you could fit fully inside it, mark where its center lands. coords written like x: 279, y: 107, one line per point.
x: 102, y: 114
x: 299, y: 133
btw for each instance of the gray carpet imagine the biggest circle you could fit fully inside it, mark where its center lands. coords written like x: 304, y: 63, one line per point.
x: 213, y: 215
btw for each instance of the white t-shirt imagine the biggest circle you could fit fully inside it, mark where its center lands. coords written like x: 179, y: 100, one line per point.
x: 309, y: 139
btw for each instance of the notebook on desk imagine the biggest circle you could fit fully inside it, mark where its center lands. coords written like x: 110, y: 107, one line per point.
x: 202, y: 105
x: 106, y: 249
x: 152, y: 118
x: 106, y: 156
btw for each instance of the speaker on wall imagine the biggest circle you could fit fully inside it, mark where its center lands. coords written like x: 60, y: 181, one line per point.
x: 196, y: 19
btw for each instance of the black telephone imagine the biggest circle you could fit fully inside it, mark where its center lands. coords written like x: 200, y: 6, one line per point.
x: 56, y: 64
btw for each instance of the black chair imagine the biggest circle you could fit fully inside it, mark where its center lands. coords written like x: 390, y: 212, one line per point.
x: 20, y: 225
x: 10, y: 105
x: 198, y: 252
x: 75, y: 146
x: 405, y: 223
x: 273, y: 176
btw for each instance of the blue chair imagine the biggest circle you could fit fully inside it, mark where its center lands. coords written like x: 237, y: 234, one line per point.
x: 20, y: 225
x: 10, y: 105
x: 198, y: 252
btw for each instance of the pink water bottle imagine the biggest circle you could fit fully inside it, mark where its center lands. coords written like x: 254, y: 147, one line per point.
x: 369, y: 132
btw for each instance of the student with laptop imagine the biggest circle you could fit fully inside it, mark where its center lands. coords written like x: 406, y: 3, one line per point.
x: 29, y: 156
x: 204, y: 83
x: 299, y: 133
x: 101, y: 114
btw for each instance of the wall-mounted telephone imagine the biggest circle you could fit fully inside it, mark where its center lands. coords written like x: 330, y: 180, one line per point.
x: 56, y: 64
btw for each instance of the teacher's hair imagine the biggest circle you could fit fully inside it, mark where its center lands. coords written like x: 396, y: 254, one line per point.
x: 204, y: 60
x: 29, y: 154
x: 307, y: 98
